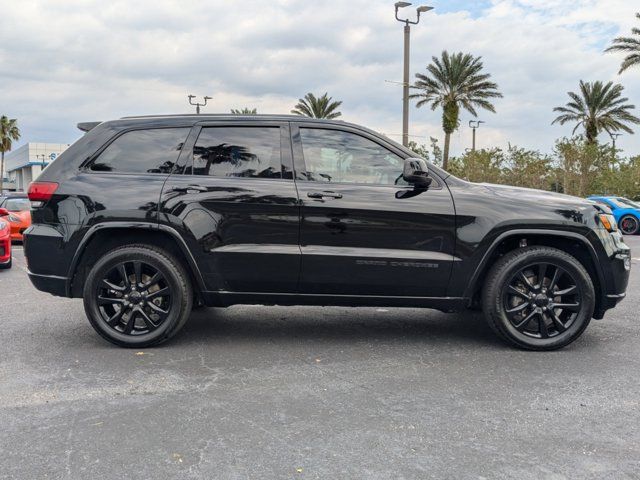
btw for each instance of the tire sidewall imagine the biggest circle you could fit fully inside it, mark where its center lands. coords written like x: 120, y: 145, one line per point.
x: 108, y: 262
x: 587, y: 294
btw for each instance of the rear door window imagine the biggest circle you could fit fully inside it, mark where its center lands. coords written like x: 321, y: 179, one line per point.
x: 248, y: 152
x: 142, y: 151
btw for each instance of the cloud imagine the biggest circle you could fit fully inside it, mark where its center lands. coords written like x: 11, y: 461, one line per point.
x: 80, y: 60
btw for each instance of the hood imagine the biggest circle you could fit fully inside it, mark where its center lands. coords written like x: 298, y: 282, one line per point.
x: 520, y: 194
x: 23, y: 215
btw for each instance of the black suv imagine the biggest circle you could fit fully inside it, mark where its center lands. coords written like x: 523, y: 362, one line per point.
x: 147, y: 217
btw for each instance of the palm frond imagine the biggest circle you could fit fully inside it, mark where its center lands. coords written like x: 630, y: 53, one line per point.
x: 630, y: 45
x: 456, y: 77
x: 597, y: 107
x: 317, y: 107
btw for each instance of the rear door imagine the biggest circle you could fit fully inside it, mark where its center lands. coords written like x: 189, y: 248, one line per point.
x: 235, y: 202
x: 364, y: 230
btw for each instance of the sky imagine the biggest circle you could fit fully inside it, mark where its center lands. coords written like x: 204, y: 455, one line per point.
x: 69, y: 61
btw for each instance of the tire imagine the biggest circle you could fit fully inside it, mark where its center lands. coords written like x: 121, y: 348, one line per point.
x: 535, y: 315
x: 629, y: 225
x: 6, y: 266
x: 137, y: 296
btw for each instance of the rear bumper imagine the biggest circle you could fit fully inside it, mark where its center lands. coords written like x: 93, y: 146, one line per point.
x: 46, y: 259
x: 49, y: 283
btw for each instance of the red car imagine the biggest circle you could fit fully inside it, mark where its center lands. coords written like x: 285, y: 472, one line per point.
x: 5, y: 245
x: 16, y: 210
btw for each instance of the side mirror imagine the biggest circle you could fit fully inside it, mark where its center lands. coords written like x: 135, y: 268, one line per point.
x: 4, y: 212
x: 416, y: 172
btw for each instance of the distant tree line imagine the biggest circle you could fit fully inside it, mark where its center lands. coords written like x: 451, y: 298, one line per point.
x: 576, y: 167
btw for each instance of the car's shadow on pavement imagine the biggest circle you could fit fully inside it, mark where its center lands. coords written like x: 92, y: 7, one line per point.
x: 322, y: 325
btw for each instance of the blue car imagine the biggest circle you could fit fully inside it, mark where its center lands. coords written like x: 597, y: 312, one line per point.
x: 627, y: 212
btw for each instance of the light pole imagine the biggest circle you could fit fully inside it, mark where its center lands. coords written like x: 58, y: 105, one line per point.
x: 614, y: 137
x: 197, y: 105
x: 474, y: 124
x: 405, y: 81
x: 43, y: 159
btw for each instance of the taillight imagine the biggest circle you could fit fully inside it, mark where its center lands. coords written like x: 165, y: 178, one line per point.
x: 41, y: 191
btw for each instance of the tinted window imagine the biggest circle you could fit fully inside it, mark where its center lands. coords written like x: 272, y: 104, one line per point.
x: 336, y: 156
x: 238, y: 152
x: 17, y: 204
x: 627, y: 203
x: 143, y: 151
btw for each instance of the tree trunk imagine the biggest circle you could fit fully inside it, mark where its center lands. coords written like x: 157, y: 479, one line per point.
x: 2, y: 172
x: 445, y: 155
x: 450, y: 117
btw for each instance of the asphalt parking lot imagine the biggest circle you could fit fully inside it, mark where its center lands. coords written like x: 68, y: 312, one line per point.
x: 269, y: 392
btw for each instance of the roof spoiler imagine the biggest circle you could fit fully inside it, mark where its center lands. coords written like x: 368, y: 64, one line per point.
x: 87, y: 126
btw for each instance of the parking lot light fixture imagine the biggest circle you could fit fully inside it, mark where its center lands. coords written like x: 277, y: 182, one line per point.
x: 474, y: 124
x: 405, y: 82
x: 423, y: 9
x: 197, y: 104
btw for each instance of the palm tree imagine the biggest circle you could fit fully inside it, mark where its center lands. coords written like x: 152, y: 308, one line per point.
x: 630, y: 45
x: 598, y: 107
x: 451, y: 82
x: 9, y: 132
x: 244, y: 111
x: 317, y: 107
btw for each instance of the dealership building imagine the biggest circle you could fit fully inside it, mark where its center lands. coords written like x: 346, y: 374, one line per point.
x: 24, y: 164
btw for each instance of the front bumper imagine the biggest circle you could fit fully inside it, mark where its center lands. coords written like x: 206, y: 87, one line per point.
x: 5, y: 251
x: 618, y: 272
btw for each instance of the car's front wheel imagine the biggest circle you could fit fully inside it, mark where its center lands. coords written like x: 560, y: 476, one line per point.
x: 137, y: 296
x: 538, y: 298
x: 629, y: 225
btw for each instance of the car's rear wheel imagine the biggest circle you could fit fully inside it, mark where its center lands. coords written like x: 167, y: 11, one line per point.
x: 629, y: 225
x: 538, y: 298
x: 6, y: 266
x: 137, y: 296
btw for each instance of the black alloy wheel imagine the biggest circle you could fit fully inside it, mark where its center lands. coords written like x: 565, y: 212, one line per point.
x: 134, y: 298
x: 538, y: 298
x: 629, y: 225
x: 137, y: 296
x: 542, y: 300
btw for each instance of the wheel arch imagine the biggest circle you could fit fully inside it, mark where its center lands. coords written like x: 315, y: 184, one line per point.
x: 569, y: 242
x: 100, y: 239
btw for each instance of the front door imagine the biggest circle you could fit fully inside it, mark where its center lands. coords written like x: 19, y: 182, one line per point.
x: 234, y: 199
x: 364, y: 230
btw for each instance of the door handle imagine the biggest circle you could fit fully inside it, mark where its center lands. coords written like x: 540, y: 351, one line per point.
x: 190, y: 189
x: 324, y: 194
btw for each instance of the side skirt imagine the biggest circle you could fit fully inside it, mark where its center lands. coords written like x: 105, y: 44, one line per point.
x: 226, y: 299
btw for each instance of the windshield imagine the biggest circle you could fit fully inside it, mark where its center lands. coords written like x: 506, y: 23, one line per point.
x: 17, y: 204
x: 626, y: 203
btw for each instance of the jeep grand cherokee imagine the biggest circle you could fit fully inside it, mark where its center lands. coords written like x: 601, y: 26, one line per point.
x: 146, y: 217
